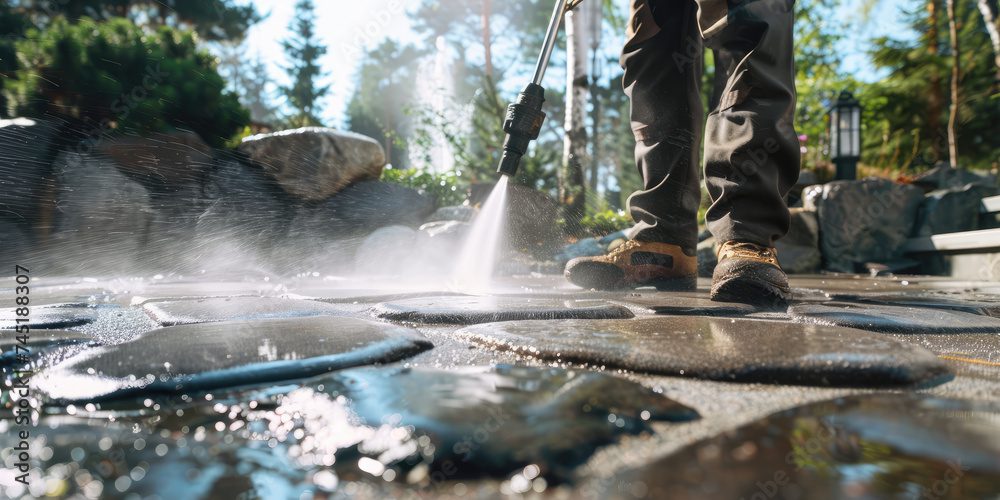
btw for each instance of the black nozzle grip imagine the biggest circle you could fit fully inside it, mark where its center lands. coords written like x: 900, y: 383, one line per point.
x: 522, y: 124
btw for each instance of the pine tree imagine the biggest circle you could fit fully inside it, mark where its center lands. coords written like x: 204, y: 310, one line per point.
x: 304, y: 51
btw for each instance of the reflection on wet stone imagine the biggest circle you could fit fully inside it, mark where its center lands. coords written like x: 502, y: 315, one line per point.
x: 877, y: 446
x: 53, y: 316
x: 971, y: 306
x: 228, y: 354
x: 673, y: 304
x: 726, y: 349
x: 183, y: 312
x: 893, y: 319
x: 31, y: 346
x: 471, y: 310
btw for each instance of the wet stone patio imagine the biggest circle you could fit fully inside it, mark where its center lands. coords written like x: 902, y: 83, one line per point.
x: 319, y: 387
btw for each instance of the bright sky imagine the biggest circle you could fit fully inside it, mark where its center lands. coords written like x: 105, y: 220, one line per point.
x: 351, y: 27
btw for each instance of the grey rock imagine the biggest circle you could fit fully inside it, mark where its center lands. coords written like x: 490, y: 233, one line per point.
x: 719, y: 349
x: 893, y: 319
x: 183, y: 312
x: 708, y: 258
x: 953, y: 209
x: 103, y: 216
x: 585, y: 247
x: 864, y: 221
x: 451, y: 230
x: 461, y: 213
x: 814, y: 452
x: 314, y: 163
x: 227, y: 354
x: 946, y: 177
x: 29, y: 148
x: 970, y: 305
x: 469, y: 310
x: 54, y: 316
x: 362, y: 208
x: 798, y: 251
x: 161, y: 162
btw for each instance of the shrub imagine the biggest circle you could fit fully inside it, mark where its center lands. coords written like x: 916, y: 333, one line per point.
x: 606, y: 222
x: 443, y: 187
x: 113, y: 75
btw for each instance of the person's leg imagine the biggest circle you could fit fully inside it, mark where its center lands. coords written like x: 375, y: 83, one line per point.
x: 751, y: 148
x: 662, y: 60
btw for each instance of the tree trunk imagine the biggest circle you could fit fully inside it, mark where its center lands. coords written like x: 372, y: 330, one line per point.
x: 993, y: 28
x: 956, y: 75
x: 487, y: 36
x: 935, y: 100
x: 572, y: 190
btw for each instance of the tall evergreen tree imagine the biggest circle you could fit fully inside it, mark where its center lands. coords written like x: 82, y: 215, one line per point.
x: 304, y: 51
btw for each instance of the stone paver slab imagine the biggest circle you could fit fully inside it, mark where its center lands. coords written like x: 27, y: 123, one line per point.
x: 226, y: 354
x: 877, y: 446
x: 893, y: 319
x: 471, y: 310
x: 727, y: 349
x: 184, y: 312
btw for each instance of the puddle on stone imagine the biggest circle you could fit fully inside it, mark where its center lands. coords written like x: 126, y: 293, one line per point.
x: 893, y: 319
x: 28, y: 349
x: 184, y: 312
x: 876, y: 446
x: 53, y: 316
x: 726, y: 349
x: 418, y: 427
x: 471, y: 310
x: 429, y: 425
x: 88, y: 459
x: 227, y: 354
x: 362, y: 296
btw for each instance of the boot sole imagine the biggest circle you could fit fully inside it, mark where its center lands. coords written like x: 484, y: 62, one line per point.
x: 602, y: 276
x: 753, y: 293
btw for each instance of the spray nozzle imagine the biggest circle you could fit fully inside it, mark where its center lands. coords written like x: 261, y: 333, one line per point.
x: 522, y: 124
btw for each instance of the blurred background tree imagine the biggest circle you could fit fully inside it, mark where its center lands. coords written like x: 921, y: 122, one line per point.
x: 303, y: 50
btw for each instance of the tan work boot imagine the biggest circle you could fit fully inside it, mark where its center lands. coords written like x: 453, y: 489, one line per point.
x: 750, y: 274
x: 636, y: 263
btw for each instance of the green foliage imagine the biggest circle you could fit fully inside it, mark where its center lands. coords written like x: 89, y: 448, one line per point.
x: 116, y: 76
x: 214, y: 20
x: 904, y: 126
x: 446, y: 188
x: 304, y: 51
x: 605, y: 222
x: 12, y: 28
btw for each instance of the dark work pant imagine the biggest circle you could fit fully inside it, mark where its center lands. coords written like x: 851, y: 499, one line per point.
x: 751, y: 150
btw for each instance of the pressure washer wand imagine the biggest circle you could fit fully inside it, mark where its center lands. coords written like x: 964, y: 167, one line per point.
x: 524, y: 118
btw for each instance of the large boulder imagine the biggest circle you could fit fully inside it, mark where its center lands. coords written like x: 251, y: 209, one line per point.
x: 798, y: 251
x: 863, y: 221
x: 461, y: 213
x: 161, y: 162
x: 364, y: 207
x: 952, y: 210
x: 314, y: 163
x: 946, y: 177
x: 388, y: 251
x: 28, y: 147
x: 102, y: 219
x: 531, y: 218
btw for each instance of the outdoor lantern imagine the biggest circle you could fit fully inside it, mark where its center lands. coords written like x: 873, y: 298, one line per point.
x: 845, y: 135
